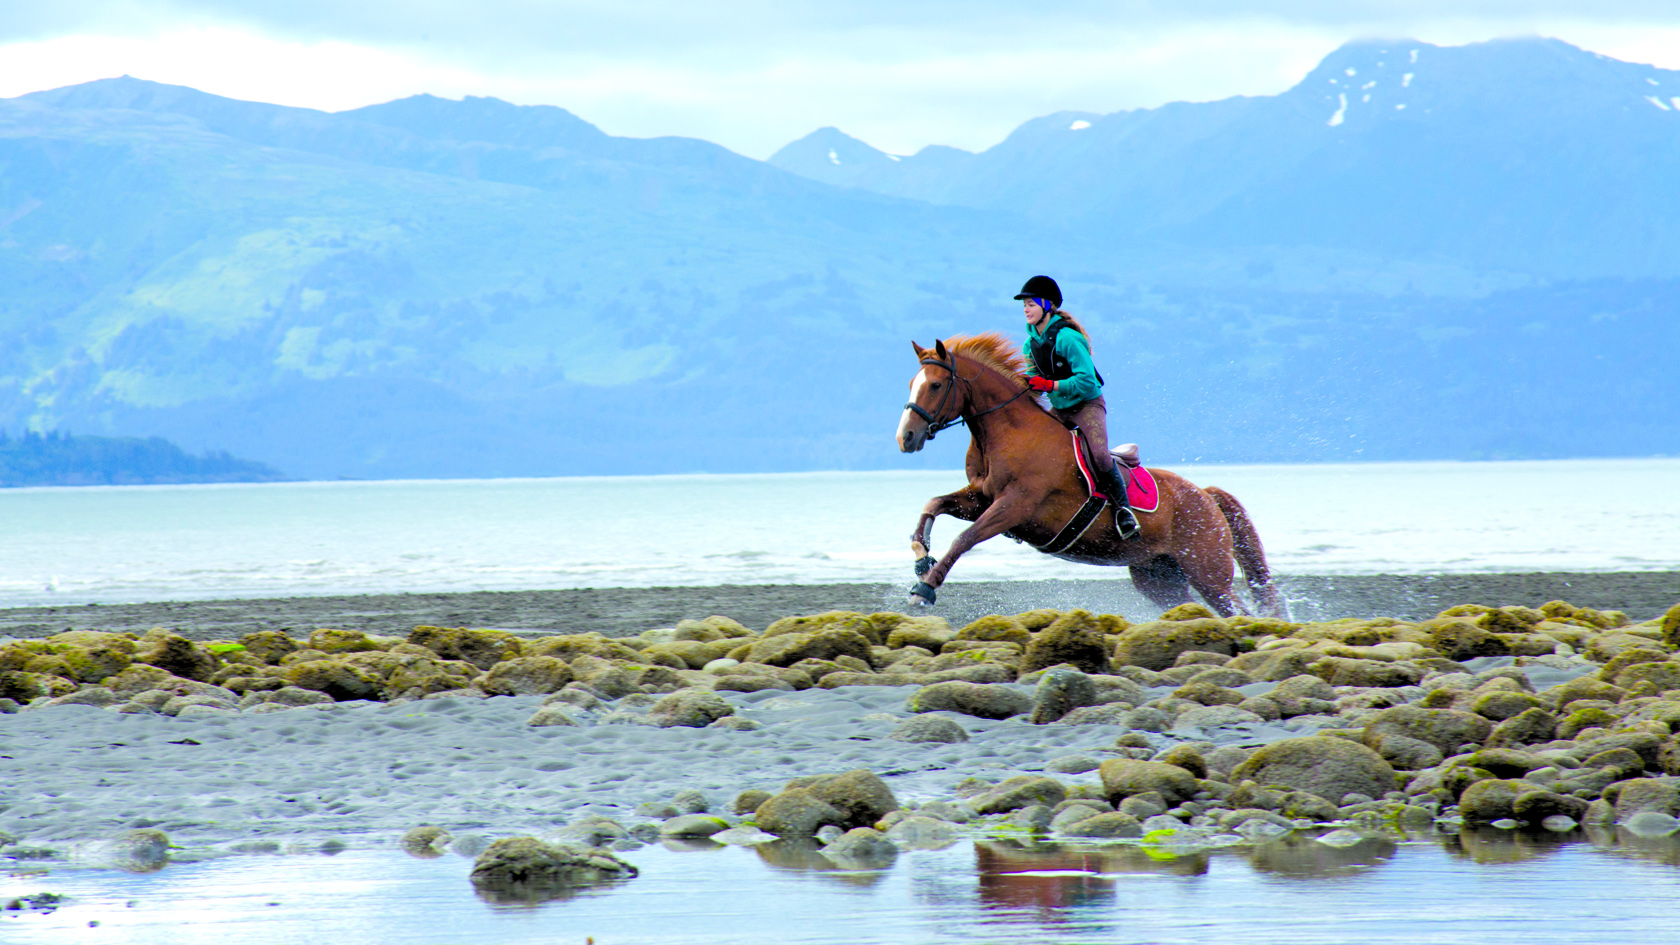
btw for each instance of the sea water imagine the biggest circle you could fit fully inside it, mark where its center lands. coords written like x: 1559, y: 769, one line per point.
x: 1447, y: 889
x: 148, y: 543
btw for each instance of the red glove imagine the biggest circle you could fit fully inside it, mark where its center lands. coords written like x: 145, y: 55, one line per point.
x: 1041, y: 384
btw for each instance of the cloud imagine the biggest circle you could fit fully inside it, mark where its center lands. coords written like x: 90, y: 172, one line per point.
x: 753, y: 75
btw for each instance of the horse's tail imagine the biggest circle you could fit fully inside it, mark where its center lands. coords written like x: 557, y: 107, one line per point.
x: 1251, y: 555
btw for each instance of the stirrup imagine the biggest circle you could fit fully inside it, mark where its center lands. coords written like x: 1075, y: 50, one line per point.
x: 1126, y: 523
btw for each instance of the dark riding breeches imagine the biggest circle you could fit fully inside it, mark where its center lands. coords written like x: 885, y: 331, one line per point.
x: 1091, y: 417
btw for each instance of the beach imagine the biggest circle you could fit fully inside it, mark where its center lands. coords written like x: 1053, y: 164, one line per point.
x: 595, y: 724
x: 619, y: 612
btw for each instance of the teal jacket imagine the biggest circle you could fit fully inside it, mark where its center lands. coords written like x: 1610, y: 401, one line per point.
x: 1072, y: 391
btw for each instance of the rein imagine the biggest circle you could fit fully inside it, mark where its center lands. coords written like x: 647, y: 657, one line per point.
x: 934, y: 426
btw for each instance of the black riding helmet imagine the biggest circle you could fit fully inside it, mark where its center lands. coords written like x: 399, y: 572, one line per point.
x: 1041, y: 287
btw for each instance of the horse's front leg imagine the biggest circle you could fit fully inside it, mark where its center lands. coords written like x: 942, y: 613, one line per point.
x: 966, y: 503
x: 1006, y: 512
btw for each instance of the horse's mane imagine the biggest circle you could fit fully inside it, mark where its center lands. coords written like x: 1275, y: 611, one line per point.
x: 992, y: 350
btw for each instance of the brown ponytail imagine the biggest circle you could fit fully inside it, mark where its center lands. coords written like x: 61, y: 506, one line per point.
x: 1074, y: 324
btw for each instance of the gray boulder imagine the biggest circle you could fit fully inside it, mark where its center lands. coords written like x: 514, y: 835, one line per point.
x: 1105, y: 826
x: 1446, y: 729
x: 981, y: 700
x: 1646, y: 794
x: 692, y: 826
x: 861, y: 848
x: 516, y: 868
x: 929, y: 728
x: 1059, y: 692
x: 1020, y: 791
x: 690, y: 708
x: 796, y: 813
x: 1124, y: 777
x: 1492, y: 799
x: 1326, y: 766
x: 861, y: 798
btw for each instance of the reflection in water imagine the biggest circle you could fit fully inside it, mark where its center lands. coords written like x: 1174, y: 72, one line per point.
x: 1303, y: 856
x: 1621, y: 842
x: 1489, y: 845
x: 1544, y: 889
x: 524, y: 895
x: 1044, y: 878
x: 805, y: 856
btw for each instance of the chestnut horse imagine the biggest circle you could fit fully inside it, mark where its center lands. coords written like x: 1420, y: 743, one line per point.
x: 1023, y: 481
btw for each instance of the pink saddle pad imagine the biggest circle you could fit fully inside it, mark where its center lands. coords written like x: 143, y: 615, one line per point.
x: 1141, y: 490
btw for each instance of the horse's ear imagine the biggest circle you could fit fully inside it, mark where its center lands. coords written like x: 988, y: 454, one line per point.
x: 921, y: 352
x: 939, y: 347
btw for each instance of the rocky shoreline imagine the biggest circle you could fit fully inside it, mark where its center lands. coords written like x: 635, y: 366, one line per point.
x: 856, y: 733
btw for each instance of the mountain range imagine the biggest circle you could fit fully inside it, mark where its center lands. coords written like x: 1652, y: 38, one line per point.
x: 1417, y: 252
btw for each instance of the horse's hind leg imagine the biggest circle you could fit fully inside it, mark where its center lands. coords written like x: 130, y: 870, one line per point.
x: 1162, y: 581
x: 1213, y: 579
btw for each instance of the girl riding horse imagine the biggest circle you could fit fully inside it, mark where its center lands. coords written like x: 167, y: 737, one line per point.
x: 1059, y: 364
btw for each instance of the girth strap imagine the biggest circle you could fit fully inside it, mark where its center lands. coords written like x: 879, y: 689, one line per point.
x: 1076, y: 526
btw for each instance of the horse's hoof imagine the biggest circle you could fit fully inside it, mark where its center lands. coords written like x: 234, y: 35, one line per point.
x: 923, y: 595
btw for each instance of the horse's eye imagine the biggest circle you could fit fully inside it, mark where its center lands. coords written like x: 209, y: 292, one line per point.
x: 934, y: 385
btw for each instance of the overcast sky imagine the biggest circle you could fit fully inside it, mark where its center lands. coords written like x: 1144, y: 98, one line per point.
x: 754, y: 75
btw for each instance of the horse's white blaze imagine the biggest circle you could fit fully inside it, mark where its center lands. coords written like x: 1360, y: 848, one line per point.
x: 915, y: 393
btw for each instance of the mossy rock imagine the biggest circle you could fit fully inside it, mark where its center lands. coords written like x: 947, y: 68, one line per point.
x: 1670, y: 627
x: 995, y: 628
x: 1446, y: 729
x: 1262, y: 626
x: 525, y: 869
x: 1628, y: 658
x: 1328, y: 767
x: 482, y: 648
x: 270, y: 646
x: 1611, y: 644
x: 1457, y: 778
x: 50, y: 664
x: 1490, y: 799
x: 1075, y: 638
x: 1585, y: 687
x: 336, y: 677
x: 21, y: 686
x: 1460, y: 638
x: 1566, y: 612
x: 176, y: 654
x: 1510, y: 619
x: 570, y: 645
x: 1191, y: 611
x: 711, y: 629
x: 787, y: 649
x: 1157, y: 644
x: 422, y: 677
x: 1580, y: 720
x: 526, y: 675
x: 846, y: 620
x: 341, y: 641
x: 930, y: 633
x: 1660, y: 676
x: 1465, y: 610
x: 92, y: 655
x: 1038, y: 619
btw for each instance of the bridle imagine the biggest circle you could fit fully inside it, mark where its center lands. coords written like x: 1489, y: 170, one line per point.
x: 934, y: 426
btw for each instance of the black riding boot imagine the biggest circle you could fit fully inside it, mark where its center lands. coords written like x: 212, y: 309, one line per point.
x: 1115, y: 488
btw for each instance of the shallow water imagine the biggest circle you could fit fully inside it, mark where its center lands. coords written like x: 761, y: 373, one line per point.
x: 153, y: 543
x: 1535, y: 889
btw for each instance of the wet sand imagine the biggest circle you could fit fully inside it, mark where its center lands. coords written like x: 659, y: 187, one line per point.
x: 628, y: 611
